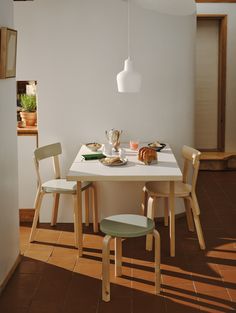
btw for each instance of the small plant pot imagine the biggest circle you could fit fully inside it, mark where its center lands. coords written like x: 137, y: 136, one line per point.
x: 29, y: 118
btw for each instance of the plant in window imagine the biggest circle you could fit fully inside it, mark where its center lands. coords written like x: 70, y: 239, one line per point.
x: 28, y: 103
x: 29, y: 106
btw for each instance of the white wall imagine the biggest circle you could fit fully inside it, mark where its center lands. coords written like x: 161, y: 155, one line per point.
x: 230, y: 10
x: 9, y: 221
x: 75, y: 48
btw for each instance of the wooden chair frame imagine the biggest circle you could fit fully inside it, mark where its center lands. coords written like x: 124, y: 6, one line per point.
x: 191, y: 157
x: 53, y: 151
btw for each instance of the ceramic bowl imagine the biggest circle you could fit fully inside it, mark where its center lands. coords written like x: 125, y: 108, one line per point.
x: 93, y: 146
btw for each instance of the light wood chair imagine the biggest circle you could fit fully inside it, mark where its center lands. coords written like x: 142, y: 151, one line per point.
x: 154, y: 190
x: 58, y: 186
x: 125, y: 226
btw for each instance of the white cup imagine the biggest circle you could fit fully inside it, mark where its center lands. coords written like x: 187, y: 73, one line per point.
x: 107, y: 149
x: 121, y: 153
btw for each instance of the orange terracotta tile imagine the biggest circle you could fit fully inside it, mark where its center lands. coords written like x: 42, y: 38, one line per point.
x: 67, y: 262
x: 89, y: 268
x: 215, y: 301
x: 49, y: 236
x: 143, y: 281
x: 61, y: 251
x: 67, y: 238
x: 42, y: 255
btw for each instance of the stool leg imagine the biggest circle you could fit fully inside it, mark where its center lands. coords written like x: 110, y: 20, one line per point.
x: 150, y: 214
x: 105, y: 268
x: 118, y: 256
x: 157, y: 260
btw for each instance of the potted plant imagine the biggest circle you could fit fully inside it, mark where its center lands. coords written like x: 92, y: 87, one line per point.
x: 28, y: 113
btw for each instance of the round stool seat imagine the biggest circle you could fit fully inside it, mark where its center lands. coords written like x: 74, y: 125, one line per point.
x: 127, y: 225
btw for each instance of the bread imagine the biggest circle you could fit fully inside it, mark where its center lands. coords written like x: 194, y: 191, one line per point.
x: 112, y: 160
x: 147, y: 155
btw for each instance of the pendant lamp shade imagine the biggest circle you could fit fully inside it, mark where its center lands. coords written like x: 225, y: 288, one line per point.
x: 128, y: 80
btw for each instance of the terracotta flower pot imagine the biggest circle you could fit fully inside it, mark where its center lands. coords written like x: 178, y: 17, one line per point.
x: 29, y: 118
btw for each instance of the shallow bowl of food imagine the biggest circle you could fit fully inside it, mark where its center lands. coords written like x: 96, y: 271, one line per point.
x: 93, y: 146
x: 156, y: 145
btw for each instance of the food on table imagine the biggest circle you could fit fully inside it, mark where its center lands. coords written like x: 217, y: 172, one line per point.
x: 147, y: 155
x: 113, y: 160
x: 155, y: 144
x: 93, y: 146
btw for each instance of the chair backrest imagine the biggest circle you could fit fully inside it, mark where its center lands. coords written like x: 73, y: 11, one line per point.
x: 49, y: 151
x: 191, y: 157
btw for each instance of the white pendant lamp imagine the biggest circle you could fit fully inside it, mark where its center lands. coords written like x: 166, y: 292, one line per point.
x: 128, y: 80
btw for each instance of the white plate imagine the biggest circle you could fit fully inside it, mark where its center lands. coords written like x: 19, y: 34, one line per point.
x: 123, y: 162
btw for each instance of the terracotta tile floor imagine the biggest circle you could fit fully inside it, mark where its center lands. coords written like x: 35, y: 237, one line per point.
x: 51, y: 278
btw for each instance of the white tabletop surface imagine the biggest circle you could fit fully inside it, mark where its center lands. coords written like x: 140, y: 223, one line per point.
x: 166, y: 169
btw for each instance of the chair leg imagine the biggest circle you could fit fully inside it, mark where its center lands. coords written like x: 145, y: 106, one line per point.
x: 195, y: 209
x: 76, y: 221
x: 144, y: 202
x: 189, y: 215
x: 95, y: 209
x: 157, y: 260
x: 150, y: 214
x: 166, y: 211
x: 86, y: 204
x: 38, y: 201
x: 55, y: 209
x: 118, y: 256
x: 105, y: 268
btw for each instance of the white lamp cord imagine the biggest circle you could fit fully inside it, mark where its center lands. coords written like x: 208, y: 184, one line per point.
x: 128, y: 28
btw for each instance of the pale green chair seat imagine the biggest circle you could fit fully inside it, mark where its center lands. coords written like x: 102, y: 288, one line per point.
x: 125, y: 226
x: 62, y: 186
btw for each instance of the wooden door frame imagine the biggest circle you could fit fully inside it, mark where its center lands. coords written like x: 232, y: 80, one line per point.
x: 222, y: 18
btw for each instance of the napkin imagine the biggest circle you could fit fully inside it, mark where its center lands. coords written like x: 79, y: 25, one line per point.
x: 93, y: 156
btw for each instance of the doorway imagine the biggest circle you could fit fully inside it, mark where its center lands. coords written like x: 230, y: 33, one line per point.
x: 210, y: 82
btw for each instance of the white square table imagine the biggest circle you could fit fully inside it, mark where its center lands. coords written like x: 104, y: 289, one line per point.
x: 166, y: 169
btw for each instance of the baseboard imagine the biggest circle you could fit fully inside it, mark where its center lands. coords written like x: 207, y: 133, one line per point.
x: 26, y: 215
x: 10, y: 273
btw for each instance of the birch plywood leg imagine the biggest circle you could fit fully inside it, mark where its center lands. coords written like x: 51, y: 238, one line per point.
x: 76, y: 222
x: 38, y: 202
x: 86, y: 204
x: 150, y: 214
x: 172, y: 218
x: 55, y: 209
x: 166, y: 211
x: 118, y: 256
x: 198, y: 226
x: 105, y: 269
x: 157, y: 261
x: 144, y: 202
x: 95, y: 208
x: 79, y: 218
x: 189, y: 215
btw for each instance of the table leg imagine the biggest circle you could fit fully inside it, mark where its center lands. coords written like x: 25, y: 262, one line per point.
x: 79, y: 206
x: 172, y: 218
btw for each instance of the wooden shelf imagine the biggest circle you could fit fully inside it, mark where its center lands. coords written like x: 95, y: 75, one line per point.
x: 27, y: 131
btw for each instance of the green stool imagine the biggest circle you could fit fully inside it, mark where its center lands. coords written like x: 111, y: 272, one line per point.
x: 125, y: 226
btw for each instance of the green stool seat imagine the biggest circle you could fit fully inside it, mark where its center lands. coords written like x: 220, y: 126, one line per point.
x: 127, y: 225
x: 120, y: 227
